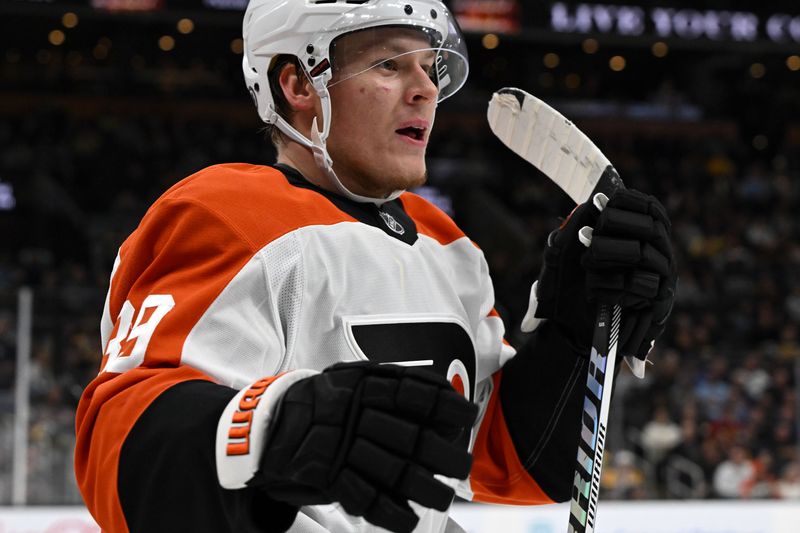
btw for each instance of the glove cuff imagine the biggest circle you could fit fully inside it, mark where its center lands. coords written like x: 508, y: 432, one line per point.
x: 243, y: 425
x: 637, y: 365
x: 530, y: 321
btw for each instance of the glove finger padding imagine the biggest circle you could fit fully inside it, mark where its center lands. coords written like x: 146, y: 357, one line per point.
x: 635, y: 289
x: 370, y: 437
x: 353, y: 492
x: 617, y: 222
x: 374, y: 463
x: 442, y: 457
x: 392, y: 514
x: 418, y: 481
x: 395, y: 435
x: 629, y: 263
x: 450, y: 415
x: 639, y: 202
x: 610, y: 252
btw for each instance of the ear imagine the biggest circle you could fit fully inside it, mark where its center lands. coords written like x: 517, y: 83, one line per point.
x: 296, y: 88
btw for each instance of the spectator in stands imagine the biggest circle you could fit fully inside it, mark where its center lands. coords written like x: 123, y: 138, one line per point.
x: 622, y: 478
x: 731, y: 474
x: 762, y: 483
x: 752, y: 375
x: 660, y: 435
x: 789, y: 483
x: 713, y: 388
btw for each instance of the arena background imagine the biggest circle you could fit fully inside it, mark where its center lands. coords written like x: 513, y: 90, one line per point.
x: 106, y: 103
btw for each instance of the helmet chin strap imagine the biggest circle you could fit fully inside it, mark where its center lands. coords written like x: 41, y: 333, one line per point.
x: 318, y: 146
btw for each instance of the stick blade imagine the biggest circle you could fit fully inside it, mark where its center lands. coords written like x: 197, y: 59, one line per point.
x: 550, y: 142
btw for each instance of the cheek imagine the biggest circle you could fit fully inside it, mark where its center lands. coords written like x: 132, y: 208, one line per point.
x: 375, y: 106
x: 381, y: 90
x: 378, y: 90
x: 364, y: 113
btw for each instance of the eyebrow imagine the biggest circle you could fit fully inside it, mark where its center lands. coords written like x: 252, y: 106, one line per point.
x: 397, y: 49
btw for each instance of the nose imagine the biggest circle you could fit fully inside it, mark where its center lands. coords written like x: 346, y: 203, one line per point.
x: 422, y: 88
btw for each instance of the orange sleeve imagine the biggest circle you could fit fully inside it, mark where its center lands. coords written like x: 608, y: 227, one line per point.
x: 180, y: 250
x: 527, y: 443
x: 108, y: 409
x: 187, y: 250
x: 497, y: 473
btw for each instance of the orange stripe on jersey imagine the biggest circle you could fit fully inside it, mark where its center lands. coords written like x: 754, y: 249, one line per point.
x: 430, y: 220
x: 497, y: 475
x: 109, y: 408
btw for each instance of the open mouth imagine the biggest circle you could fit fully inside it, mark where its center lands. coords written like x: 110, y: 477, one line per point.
x: 418, y: 134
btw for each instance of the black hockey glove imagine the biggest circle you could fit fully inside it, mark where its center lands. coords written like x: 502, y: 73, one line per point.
x: 370, y: 437
x: 629, y: 263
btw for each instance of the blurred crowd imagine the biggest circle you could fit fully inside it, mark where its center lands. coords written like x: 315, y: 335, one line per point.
x: 716, y: 415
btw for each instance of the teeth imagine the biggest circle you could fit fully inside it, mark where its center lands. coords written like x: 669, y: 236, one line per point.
x: 413, y: 132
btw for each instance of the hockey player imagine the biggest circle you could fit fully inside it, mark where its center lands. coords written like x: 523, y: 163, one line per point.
x: 307, y: 347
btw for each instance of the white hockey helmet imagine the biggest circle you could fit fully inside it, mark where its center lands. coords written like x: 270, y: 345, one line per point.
x: 308, y: 29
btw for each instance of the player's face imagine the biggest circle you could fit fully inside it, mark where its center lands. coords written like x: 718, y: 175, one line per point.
x: 384, y: 102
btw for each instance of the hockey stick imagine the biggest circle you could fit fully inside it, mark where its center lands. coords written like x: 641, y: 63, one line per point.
x: 543, y: 137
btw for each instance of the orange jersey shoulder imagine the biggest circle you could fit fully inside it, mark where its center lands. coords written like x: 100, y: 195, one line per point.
x: 198, y: 235
x: 255, y: 200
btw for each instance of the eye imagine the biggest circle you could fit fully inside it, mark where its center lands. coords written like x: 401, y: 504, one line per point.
x: 388, y: 64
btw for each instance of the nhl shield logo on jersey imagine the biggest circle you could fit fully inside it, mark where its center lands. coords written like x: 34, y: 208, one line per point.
x: 391, y: 223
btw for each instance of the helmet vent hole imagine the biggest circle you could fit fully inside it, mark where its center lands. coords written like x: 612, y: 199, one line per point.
x: 434, y: 14
x: 256, y: 87
x: 408, y: 9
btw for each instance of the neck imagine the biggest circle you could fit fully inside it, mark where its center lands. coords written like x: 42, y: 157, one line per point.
x: 301, y: 158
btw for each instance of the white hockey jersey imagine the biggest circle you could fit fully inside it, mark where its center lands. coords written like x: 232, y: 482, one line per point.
x: 241, y: 272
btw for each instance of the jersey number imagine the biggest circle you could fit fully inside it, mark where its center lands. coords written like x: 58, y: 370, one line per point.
x: 126, y: 350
